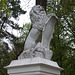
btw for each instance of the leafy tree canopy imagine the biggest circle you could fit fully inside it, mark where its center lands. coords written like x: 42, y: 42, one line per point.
x: 8, y: 9
x: 63, y: 42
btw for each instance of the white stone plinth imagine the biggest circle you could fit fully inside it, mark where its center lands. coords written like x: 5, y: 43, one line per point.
x: 33, y: 66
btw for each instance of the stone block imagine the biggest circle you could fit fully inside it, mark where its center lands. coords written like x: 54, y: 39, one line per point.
x: 33, y: 66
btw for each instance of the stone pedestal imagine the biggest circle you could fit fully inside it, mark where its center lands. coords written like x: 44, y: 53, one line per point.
x: 33, y: 66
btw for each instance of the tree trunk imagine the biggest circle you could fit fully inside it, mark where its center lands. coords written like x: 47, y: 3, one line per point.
x: 42, y: 3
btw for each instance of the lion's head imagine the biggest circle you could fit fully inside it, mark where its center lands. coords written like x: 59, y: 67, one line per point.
x: 37, y: 13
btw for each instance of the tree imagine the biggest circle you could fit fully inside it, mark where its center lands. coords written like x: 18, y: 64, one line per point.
x: 63, y: 42
x: 42, y: 3
x: 19, y: 44
x: 5, y: 57
x: 8, y: 9
x: 6, y: 54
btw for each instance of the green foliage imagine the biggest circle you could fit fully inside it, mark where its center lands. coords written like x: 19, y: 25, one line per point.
x: 19, y: 44
x: 24, y: 32
x: 4, y: 8
x: 8, y: 9
x: 63, y: 42
x: 5, y: 57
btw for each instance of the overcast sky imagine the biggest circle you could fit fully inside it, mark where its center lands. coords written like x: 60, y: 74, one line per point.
x: 26, y: 5
x: 24, y: 18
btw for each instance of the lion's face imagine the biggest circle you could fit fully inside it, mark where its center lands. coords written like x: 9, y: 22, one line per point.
x: 37, y: 13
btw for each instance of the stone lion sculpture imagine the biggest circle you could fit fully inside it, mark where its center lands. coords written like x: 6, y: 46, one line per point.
x: 42, y: 28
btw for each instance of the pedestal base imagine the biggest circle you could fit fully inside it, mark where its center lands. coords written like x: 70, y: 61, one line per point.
x: 33, y: 66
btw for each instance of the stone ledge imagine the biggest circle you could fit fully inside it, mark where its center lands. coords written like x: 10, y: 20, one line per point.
x: 33, y: 66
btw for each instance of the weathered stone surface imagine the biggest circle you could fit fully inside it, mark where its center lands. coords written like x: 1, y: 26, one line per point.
x: 34, y: 60
x: 42, y: 25
x: 33, y: 66
x: 38, y: 51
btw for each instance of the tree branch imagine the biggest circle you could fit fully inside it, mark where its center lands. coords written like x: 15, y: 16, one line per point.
x: 2, y: 24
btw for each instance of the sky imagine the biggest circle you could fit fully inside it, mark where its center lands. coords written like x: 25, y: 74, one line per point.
x: 25, y: 5
x: 24, y: 18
